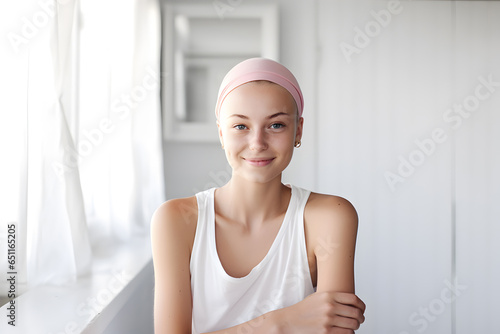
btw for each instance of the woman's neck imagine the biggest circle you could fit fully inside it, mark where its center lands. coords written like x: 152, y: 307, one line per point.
x: 252, y: 203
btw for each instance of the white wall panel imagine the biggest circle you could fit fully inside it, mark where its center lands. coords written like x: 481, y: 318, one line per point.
x: 478, y: 166
x: 374, y: 104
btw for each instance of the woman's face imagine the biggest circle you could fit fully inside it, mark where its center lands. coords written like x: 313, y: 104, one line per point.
x: 258, y: 127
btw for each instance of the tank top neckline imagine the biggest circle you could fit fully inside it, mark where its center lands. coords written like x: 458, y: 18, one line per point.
x: 272, y: 250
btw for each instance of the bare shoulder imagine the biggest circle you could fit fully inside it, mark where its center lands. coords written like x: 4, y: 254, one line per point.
x: 175, y: 219
x: 180, y: 209
x: 329, y: 209
x: 331, y: 225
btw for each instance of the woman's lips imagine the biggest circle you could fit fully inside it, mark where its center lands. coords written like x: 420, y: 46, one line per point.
x: 259, y: 162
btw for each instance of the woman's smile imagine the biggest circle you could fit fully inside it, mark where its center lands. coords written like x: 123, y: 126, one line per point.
x: 259, y: 162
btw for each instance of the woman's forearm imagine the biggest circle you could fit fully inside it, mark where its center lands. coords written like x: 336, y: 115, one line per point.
x: 267, y: 323
x: 316, y: 313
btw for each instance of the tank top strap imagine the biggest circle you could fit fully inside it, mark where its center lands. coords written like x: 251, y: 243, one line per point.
x: 302, y: 196
x: 206, y: 215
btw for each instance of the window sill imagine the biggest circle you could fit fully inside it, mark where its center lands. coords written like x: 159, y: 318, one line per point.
x: 88, y: 305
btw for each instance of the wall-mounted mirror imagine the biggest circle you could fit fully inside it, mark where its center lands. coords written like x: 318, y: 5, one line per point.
x: 201, y: 44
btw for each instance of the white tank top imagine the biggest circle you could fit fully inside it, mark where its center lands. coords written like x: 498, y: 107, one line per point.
x: 281, y: 279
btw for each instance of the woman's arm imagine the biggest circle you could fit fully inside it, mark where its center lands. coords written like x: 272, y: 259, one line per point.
x: 172, y: 231
x: 331, y: 230
x: 332, y: 223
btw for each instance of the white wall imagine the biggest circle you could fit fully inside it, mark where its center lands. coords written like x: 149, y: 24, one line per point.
x: 477, y: 148
x: 364, y: 113
x: 425, y: 260
x: 375, y: 104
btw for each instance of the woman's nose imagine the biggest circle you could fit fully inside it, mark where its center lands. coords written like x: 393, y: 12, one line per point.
x: 258, y: 140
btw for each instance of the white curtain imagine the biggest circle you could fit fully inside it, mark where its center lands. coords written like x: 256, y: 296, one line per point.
x: 120, y: 116
x: 391, y: 76
x: 81, y: 131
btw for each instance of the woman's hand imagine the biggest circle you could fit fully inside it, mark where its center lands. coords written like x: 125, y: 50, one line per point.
x: 323, y: 312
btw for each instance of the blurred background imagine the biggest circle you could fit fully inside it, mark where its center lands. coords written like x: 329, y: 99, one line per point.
x: 108, y: 111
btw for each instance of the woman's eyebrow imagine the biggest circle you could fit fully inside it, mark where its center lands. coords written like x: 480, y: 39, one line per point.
x: 281, y: 113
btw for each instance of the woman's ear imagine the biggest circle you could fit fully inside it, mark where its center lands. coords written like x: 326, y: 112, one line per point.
x: 220, y: 134
x: 300, y: 127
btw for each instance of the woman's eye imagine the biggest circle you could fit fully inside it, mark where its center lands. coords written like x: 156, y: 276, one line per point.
x: 240, y: 127
x: 277, y: 126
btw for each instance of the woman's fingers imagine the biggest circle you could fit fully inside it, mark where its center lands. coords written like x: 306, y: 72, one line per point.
x: 349, y: 299
x: 347, y: 310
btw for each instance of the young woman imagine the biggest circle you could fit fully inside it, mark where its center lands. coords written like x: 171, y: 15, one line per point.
x: 255, y: 255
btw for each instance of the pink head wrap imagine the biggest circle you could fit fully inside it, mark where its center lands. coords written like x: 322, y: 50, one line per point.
x: 260, y: 69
